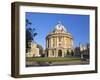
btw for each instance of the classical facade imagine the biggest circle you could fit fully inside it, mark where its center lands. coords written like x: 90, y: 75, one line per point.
x: 59, y: 42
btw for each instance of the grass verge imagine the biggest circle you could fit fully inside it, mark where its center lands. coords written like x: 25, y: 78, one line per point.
x: 51, y: 59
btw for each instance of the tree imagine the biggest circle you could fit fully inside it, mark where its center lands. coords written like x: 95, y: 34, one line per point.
x: 67, y: 52
x: 72, y: 52
x: 30, y: 35
x: 33, y: 33
x: 27, y: 22
x: 29, y: 38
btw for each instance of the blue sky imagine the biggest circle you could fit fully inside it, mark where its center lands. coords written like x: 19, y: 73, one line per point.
x: 77, y: 25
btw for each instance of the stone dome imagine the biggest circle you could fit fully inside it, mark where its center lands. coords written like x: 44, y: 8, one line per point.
x: 60, y: 28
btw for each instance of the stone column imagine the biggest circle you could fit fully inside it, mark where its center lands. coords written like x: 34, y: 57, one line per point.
x: 56, y: 52
x: 53, y: 42
x: 49, y: 42
x: 56, y: 41
x: 63, y: 42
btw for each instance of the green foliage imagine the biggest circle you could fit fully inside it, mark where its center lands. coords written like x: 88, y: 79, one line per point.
x: 30, y: 35
x: 72, y: 52
x: 68, y: 52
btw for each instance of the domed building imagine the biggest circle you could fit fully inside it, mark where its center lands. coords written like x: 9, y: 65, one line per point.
x: 59, y: 42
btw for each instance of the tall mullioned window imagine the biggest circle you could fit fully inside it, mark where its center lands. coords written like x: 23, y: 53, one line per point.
x: 53, y: 42
x: 60, y: 39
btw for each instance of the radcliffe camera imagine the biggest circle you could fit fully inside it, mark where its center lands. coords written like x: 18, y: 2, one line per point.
x: 56, y: 39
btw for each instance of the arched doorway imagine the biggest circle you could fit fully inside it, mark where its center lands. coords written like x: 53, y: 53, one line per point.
x: 59, y: 53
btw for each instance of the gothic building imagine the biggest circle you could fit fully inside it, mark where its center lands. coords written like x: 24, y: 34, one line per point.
x: 58, y: 42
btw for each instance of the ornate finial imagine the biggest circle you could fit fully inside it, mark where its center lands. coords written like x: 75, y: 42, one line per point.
x: 59, y: 22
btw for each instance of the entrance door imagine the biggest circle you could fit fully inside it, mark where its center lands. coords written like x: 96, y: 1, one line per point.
x: 59, y: 53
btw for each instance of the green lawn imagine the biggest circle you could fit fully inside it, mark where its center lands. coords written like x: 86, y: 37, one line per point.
x: 51, y: 59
